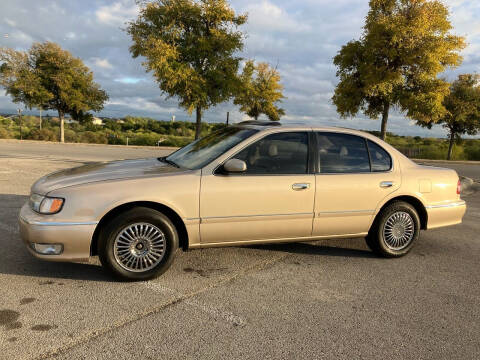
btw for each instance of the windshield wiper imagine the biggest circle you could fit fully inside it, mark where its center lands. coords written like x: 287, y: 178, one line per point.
x: 170, y: 162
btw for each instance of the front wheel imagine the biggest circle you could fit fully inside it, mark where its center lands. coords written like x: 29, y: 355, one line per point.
x: 139, y: 244
x: 395, y: 230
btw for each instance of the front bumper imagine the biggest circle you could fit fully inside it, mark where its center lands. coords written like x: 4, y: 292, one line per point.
x: 446, y: 214
x: 76, y: 237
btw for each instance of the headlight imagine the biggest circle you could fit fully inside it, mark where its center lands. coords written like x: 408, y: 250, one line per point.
x: 45, y: 205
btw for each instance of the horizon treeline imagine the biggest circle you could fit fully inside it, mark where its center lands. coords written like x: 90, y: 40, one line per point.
x: 145, y: 131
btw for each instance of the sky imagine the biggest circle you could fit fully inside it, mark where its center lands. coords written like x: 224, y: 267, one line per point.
x: 300, y: 37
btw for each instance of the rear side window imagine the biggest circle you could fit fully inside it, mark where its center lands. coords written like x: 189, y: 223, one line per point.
x: 282, y: 153
x: 342, y: 154
x: 381, y: 160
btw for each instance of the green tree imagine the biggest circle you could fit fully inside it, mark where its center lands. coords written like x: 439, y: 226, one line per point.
x: 260, y: 90
x: 463, y: 109
x: 19, y: 79
x: 190, y: 47
x: 48, y: 77
x: 404, y: 46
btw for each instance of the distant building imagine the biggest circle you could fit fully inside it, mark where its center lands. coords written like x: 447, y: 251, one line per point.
x: 97, y: 121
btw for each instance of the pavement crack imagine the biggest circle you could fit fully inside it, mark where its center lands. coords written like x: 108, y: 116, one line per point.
x: 182, y: 297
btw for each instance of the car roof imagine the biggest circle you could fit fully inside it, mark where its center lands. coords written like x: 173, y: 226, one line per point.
x: 264, y: 125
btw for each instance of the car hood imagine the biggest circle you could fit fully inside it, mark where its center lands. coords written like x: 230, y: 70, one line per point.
x: 115, y: 170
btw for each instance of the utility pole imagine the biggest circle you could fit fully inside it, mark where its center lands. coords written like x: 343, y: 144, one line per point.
x: 228, y: 116
x: 40, y: 119
x: 20, y: 118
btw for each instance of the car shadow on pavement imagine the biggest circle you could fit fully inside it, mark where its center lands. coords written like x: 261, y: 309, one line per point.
x: 318, y: 248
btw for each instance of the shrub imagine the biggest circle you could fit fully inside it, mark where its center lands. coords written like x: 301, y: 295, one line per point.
x: 70, y: 136
x: 472, y: 151
x: 176, y: 141
x: 92, y: 138
x: 145, y: 139
x: 44, y: 134
x: 5, y: 134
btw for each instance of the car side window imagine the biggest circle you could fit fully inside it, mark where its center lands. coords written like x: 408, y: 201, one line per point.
x: 282, y: 153
x: 381, y: 160
x: 342, y: 154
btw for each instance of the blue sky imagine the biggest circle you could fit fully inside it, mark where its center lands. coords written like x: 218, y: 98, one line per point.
x: 301, y: 36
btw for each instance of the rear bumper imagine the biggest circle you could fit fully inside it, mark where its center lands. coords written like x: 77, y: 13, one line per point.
x: 75, y: 237
x: 446, y: 214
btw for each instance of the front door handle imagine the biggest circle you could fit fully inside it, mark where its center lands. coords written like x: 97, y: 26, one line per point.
x: 386, y: 184
x: 299, y: 187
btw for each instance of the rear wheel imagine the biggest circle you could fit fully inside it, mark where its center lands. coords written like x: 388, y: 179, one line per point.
x: 395, y: 230
x: 139, y: 244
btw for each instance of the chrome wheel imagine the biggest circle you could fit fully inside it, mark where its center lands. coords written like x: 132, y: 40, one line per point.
x: 139, y: 247
x: 398, y: 231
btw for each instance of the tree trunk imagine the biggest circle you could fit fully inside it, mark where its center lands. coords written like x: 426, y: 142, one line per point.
x: 62, y: 126
x: 40, y: 119
x: 450, y: 146
x: 198, y: 128
x: 386, y: 110
x: 20, y: 123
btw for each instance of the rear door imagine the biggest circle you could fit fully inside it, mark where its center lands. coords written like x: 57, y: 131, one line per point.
x: 354, y: 175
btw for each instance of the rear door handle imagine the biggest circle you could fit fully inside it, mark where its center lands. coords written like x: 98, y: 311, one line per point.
x: 299, y: 187
x: 386, y: 184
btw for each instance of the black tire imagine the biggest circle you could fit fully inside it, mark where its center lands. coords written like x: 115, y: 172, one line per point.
x: 379, y: 242
x: 140, y: 215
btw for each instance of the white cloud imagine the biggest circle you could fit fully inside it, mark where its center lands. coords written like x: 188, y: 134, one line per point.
x: 142, y: 104
x: 128, y: 80
x: 102, y: 63
x: 117, y: 13
x: 10, y: 22
x: 70, y: 35
x: 21, y: 38
x: 265, y: 16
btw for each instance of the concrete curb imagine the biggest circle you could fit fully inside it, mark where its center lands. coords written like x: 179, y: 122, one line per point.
x: 87, y: 144
x: 469, y: 186
x: 466, y: 162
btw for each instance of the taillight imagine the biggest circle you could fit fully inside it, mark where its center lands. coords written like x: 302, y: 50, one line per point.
x: 459, y: 187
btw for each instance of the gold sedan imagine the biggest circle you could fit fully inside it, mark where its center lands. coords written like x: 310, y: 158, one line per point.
x: 252, y: 183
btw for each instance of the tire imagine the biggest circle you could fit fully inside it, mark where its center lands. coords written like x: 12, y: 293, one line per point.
x: 138, y: 245
x: 394, y: 231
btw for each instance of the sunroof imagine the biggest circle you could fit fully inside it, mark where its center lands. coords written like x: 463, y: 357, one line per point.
x: 260, y: 123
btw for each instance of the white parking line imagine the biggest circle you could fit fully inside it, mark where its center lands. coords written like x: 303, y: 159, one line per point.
x: 211, y: 310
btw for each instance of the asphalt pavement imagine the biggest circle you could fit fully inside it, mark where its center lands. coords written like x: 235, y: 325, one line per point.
x: 320, y: 300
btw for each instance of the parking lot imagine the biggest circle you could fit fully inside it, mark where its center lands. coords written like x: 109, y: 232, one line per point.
x: 321, y: 300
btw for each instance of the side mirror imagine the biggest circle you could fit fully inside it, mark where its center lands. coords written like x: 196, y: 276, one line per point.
x: 235, y: 166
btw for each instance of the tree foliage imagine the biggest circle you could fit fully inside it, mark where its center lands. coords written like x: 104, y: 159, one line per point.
x: 462, y: 109
x: 50, y: 78
x: 190, y: 47
x: 404, y: 46
x: 20, y: 80
x: 260, y: 91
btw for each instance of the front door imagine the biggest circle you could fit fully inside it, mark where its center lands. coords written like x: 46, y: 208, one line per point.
x: 273, y: 199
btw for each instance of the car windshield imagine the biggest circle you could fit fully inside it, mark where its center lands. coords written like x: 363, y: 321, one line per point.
x: 201, y: 152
